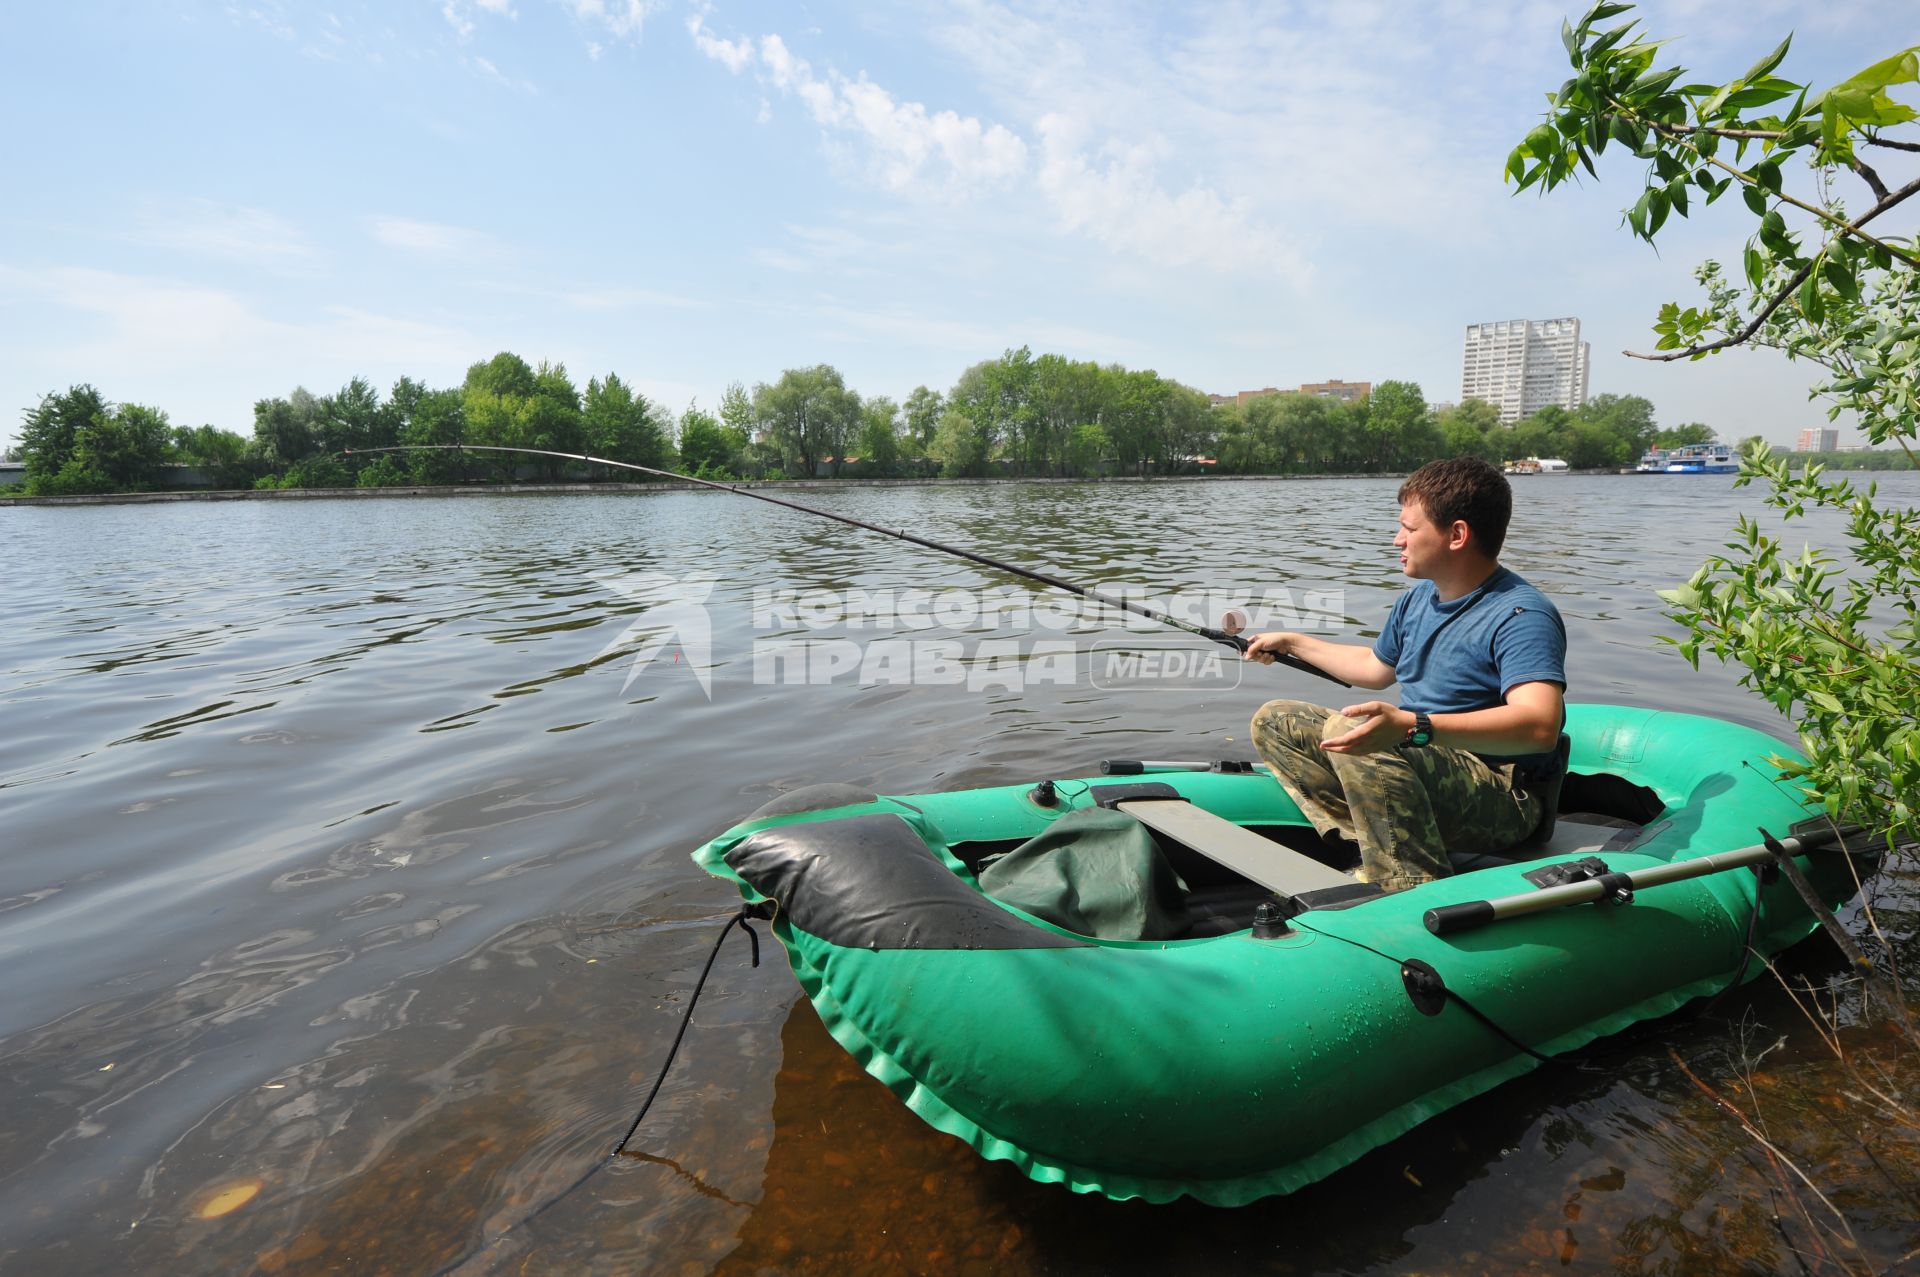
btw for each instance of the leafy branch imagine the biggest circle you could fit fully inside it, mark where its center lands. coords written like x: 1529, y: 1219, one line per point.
x: 1831, y: 641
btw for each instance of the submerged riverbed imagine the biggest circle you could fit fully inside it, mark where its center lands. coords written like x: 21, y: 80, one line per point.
x: 347, y: 916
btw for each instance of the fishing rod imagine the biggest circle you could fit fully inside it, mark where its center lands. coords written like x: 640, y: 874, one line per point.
x: 1223, y: 637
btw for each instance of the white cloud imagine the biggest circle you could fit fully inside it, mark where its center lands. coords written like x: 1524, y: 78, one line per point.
x: 624, y: 19
x: 733, y: 54
x: 432, y: 239
x: 155, y: 326
x: 456, y: 17
x: 908, y: 146
x: 230, y: 232
x: 1116, y: 197
x: 1110, y: 189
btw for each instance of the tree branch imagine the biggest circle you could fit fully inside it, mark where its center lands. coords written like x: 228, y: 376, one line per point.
x: 1753, y: 326
x: 1851, y: 228
x: 1799, y: 277
x: 1870, y: 177
x: 1874, y: 139
x: 1680, y: 130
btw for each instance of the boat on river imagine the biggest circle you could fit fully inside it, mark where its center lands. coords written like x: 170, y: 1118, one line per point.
x: 1652, y: 461
x: 1702, y: 458
x: 1270, y: 1019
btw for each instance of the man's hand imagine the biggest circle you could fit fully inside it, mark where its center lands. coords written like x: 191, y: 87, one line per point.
x: 1267, y: 648
x: 1382, y: 727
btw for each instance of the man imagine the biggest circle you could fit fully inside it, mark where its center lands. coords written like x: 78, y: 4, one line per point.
x: 1465, y: 761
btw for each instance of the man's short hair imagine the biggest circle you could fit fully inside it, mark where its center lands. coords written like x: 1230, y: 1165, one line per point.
x: 1464, y: 488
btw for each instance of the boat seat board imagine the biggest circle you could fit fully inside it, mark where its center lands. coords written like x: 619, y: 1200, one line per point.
x: 1279, y: 869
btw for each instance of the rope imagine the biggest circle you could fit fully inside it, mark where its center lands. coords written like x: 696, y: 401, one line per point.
x: 741, y: 919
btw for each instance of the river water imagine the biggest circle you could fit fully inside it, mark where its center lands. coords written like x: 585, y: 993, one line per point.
x: 346, y: 912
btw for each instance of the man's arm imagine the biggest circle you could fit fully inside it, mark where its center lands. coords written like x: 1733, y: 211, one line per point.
x: 1354, y: 664
x: 1529, y: 723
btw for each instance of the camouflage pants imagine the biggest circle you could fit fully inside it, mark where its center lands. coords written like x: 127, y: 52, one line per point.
x: 1406, y: 807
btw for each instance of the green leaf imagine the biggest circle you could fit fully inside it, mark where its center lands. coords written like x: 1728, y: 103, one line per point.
x: 1756, y: 198
x: 1756, y: 267
x: 1610, y: 39
x: 1637, y: 215
x: 1622, y: 131
x: 1654, y: 83
x: 1516, y: 164
x: 1768, y: 63
x: 1657, y: 205
x: 1768, y: 175
x: 1747, y: 99
x: 1840, y: 275
x: 1572, y: 41
x: 1810, y: 304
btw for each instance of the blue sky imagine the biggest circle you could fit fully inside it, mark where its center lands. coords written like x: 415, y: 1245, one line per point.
x: 210, y: 203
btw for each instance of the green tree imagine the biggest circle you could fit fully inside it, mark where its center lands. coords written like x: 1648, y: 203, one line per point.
x: 1400, y: 431
x: 50, y: 432
x: 505, y: 374
x: 1839, y: 657
x: 879, y: 441
x: 283, y: 429
x: 1682, y: 435
x: 353, y: 418
x: 707, y: 448
x: 1471, y: 429
x: 435, y: 418
x: 618, y: 423
x: 923, y: 409
x: 221, y: 455
x: 961, y: 447
x: 126, y: 446
x: 1628, y: 418
x: 810, y: 414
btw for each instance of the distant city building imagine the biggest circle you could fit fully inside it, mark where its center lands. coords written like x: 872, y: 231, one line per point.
x: 1436, y: 409
x: 1241, y: 398
x: 1818, y: 439
x: 1522, y: 365
x: 1346, y: 391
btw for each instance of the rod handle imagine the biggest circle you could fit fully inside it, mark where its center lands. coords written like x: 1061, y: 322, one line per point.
x: 1446, y: 920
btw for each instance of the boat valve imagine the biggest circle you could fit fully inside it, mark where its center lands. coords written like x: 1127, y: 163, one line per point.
x: 1043, y: 795
x: 1270, y: 921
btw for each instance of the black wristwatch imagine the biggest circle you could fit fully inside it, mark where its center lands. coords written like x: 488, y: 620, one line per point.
x: 1421, y: 733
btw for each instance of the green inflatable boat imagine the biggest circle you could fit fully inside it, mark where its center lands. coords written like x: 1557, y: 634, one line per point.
x: 1272, y: 1020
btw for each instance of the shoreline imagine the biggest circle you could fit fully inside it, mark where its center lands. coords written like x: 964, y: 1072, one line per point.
x: 644, y: 489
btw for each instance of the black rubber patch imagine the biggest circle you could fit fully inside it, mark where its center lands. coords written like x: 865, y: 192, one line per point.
x: 1108, y: 795
x: 869, y: 882
x: 1425, y: 989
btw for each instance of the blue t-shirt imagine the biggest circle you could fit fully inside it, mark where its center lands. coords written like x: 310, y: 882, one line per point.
x: 1465, y: 654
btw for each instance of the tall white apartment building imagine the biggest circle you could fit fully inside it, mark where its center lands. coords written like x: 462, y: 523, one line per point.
x: 1522, y: 365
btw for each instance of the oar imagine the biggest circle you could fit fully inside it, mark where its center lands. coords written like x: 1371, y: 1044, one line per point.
x: 1468, y: 914
x: 1232, y: 640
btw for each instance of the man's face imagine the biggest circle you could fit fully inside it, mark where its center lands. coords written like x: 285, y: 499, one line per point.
x: 1422, y: 544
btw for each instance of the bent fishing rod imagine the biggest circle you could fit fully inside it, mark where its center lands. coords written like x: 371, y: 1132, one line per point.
x: 1233, y: 641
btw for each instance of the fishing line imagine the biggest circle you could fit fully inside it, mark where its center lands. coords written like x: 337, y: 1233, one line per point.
x: 1233, y: 641
x: 760, y: 911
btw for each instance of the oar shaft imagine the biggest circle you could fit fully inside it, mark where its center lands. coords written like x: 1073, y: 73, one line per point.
x: 1233, y: 641
x: 1469, y: 914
